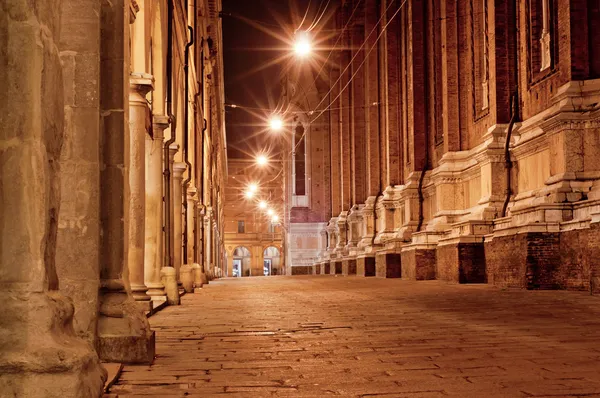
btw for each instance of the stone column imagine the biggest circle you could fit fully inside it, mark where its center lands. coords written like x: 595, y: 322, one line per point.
x: 191, y: 199
x: 153, y: 252
x: 79, y: 217
x: 140, y: 84
x: 178, y: 170
x: 173, y: 149
x: 40, y: 354
x: 124, y: 334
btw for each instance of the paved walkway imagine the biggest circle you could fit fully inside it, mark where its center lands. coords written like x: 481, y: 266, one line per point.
x: 348, y: 336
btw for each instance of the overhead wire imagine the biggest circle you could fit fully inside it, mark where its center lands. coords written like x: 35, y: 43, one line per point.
x: 383, y: 30
x: 336, y: 42
x: 305, y: 15
x: 318, y: 19
x: 358, y: 51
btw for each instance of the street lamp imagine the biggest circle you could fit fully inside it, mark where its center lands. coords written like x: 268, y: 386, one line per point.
x: 302, y: 46
x: 262, y: 160
x: 275, y: 219
x: 270, y: 212
x: 262, y: 204
x: 249, y: 194
x: 276, y: 123
x: 252, y: 187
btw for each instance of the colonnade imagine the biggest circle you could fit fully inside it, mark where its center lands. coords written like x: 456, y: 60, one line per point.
x: 112, y: 146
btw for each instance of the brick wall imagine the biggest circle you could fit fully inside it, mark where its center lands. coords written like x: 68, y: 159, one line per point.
x: 302, y: 270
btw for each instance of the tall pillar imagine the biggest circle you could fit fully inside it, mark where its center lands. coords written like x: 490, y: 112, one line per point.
x: 38, y: 344
x: 153, y: 252
x: 124, y: 334
x: 79, y: 216
x: 191, y: 198
x: 140, y: 84
x: 178, y: 170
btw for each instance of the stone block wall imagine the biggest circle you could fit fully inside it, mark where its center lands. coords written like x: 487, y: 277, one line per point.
x: 461, y: 263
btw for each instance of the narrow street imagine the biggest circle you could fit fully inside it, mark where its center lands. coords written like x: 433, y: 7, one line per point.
x: 347, y: 336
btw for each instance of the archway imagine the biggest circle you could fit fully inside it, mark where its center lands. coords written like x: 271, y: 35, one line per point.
x: 241, y: 262
x: 271, y: 261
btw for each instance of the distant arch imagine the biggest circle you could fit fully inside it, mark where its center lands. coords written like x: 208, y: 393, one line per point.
x: 241, y: 261
x: 271, y: 261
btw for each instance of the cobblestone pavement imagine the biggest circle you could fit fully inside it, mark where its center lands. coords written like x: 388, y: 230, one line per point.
x: 313, y: 336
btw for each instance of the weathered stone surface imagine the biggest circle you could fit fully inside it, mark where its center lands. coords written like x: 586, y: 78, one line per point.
x: 169, y: 280
x: 187, y: 278
x: 40, y: 354
x: 357, y: 337
x: 121, y: 321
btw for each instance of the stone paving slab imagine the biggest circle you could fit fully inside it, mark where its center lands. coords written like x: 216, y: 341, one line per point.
x: 307, y: 336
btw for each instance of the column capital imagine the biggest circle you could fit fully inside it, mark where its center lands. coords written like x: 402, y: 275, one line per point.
x: 140, y: 84
x: 192, y: 193
x: 178, y: 169
x: 173, y: 149
x: 159, y: 124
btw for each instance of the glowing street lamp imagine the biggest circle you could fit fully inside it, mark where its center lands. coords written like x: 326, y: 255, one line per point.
x: 270, y: 212
x: 275, y: 219
x: 262, y: 204
x: 262, y: 160
x: 302, y: 47
x: 249, y: 194
x: 276, y: 123
x: 252, y: 187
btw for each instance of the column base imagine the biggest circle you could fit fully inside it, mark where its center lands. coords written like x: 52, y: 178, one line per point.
x: 156, y: 291
x: 124, y: 334
x: 388, y: 265
x: 418, y: 263
x: 461, y: 263
x: 349, y: 266
x: 365, y: 266
x: 42, y: 356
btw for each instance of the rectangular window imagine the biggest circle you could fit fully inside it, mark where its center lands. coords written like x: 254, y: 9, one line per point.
x: 241, y: 227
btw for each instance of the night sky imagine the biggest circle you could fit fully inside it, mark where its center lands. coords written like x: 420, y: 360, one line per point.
x: 247, y: 50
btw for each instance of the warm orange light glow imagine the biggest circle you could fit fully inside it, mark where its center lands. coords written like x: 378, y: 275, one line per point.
x: 302, y: 47
x: 249, y: 194
x: 275, y: 219
x: 262, y: 160
x: 276, y: 123
x: 262, y: 204
x: 270, y: 212
x: 253, y: 187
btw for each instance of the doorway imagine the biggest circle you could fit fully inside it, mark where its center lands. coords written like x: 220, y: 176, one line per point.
x: 267, y: 266
x: 237, y: 268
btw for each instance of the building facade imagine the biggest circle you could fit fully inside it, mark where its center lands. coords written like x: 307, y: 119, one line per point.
x: 253, y: 241
x: 464, y: 140
x: 112, y: 160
